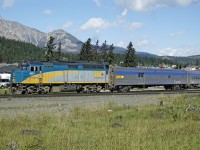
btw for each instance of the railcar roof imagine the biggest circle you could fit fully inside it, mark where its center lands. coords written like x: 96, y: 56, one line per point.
x: 149, y: 69
x: 63, y: 63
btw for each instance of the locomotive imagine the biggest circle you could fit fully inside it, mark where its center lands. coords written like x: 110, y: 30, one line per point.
x: 45, y: 77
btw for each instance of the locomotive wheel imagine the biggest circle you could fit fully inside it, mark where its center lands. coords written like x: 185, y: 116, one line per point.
x: 86, y: 89
x: 46, y: 89
x: 99, y: 88
x: 24, y: 92
x: 123, y: 89
x: 111, y: 90
x: 79, y: 88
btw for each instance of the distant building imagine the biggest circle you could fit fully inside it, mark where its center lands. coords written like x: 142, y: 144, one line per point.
x: 7, y: 68
x: 191, y: 68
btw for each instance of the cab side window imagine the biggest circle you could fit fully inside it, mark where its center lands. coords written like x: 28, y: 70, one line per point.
x: 32, y: 68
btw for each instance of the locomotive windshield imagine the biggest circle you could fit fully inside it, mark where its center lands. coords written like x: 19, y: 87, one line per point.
x: 23, y: 65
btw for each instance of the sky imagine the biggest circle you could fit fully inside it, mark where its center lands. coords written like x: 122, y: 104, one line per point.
x: 161, y: 27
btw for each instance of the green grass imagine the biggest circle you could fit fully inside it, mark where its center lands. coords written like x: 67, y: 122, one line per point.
x: 4, y: 91
x: 174, y: 126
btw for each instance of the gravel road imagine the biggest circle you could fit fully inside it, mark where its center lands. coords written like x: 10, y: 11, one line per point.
x: 12, y: 107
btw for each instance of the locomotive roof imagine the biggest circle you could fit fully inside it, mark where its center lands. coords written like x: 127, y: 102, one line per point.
x: 63, y: 63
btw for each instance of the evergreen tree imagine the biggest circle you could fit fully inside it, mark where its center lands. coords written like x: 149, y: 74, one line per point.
x: 12, y: 51
x: 130, y: 58
x: 82, y: 52
x: 58, y: 53
x: 104, y: 53
x: 180, y: 66
x: 197, y: 63
x: 95, y: 52
x: 110, y: 58
x: 49, y: 49
x: 1, y: 59
x: 86, y: 53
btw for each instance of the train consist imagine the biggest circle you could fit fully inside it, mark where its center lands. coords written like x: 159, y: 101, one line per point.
x: 45, y: 77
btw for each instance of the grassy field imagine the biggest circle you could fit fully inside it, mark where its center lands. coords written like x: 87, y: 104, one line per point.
x: 174, y: 125
x: 4, y: 91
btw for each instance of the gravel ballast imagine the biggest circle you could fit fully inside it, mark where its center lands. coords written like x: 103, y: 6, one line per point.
x: 32, y: 106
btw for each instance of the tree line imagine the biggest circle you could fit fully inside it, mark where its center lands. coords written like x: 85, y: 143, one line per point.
x: 12, y: 51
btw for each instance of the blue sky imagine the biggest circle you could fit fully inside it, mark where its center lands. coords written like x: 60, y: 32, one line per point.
x: 161, y: 27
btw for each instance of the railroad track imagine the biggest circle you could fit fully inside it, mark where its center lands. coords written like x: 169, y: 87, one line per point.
x: 73, y: 94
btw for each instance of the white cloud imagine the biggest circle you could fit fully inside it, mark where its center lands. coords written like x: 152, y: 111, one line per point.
x: 145, y: 5
x: 47, y: 12
x: 134, y: 26
x: 8, y: 3
x: 51, y: 28
x: 67, y: 25
x: 97, y: 2
x: 95, y: 23
x: 143, y: 42
x: 178, y: 52
x: 124, y: 13
x: 175, y: 34
x: 121, y: 44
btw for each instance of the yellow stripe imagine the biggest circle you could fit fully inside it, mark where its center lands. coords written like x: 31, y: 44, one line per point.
x: 44, y: 78
x: 70, y: 83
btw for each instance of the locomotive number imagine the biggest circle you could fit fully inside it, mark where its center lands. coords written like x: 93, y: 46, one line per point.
x: 98, y: 74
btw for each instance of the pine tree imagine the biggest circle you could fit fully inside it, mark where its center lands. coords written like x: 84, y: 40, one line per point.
x: 95, y: 52
x: 104, y: 53
x: 82, y: 52
x: 58, y: 53
x: 197, y: 63
x: 86, y: 53
x: 130, y: 58
x: 12, y: 51
x: 110, y: 58
x: 49, y: 49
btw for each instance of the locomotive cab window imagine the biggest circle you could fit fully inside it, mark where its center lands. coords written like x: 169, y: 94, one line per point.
x: 107, y: 66
x: 36, y: 68
x: 99, y: 66
x: 32, y: 68
x: 73, y: 66
x: 87, y: 66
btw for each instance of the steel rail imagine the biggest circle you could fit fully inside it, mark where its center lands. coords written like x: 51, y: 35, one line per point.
x: 105, y: 93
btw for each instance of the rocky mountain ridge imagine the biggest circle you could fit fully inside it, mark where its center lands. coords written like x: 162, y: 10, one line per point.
x: 16, y: 31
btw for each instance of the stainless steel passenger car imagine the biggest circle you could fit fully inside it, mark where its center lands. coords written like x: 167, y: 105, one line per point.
x: 123, y: 79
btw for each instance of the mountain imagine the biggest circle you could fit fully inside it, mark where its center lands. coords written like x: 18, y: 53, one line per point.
x: 69, y: 42
x: 182, y: 60
x: 123, y: 51
x: 17, y: 31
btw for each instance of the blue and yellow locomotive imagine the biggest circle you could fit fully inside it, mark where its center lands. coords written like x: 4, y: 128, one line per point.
x: 43, y: 77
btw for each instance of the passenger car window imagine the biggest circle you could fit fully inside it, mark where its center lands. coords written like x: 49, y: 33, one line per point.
x: 140, y: 75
